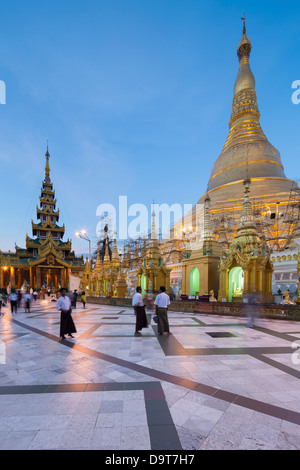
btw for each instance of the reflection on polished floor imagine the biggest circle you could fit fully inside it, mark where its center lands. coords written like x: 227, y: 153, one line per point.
x: 213, y: 384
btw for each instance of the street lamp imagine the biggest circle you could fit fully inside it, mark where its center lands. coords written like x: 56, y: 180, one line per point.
x: 84, y: 236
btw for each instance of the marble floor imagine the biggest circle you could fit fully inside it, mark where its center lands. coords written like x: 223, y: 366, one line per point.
x: 213, y: 384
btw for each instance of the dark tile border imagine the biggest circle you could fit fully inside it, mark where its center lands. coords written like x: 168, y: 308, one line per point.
x: 162, y: 430
x: 230, y: 397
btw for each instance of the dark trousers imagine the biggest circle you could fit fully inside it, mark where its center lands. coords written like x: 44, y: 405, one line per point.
x: 13, y: 306
x: 163, y: 322
x: 141, y: 319
x: 67, y: 326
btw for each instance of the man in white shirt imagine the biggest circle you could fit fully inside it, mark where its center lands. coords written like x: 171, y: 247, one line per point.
x: 13, y: 298
x: 66, y: 322
x: 27, y: 298
x: 139, y: 310
x: 162, y: 303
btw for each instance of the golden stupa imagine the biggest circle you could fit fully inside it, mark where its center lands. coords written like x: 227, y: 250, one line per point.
x: 247, y: 146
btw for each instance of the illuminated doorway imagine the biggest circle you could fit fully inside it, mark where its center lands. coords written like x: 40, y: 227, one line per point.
x: 235, y: 282
x: 194, y: 282
x: 143, y: 284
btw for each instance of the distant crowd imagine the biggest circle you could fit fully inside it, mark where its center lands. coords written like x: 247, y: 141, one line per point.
x: 17, y: 299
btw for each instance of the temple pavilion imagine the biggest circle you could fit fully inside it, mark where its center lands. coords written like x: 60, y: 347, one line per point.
x: 47, y: 261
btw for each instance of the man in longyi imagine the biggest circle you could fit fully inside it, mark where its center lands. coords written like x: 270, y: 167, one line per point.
x: 139, y: 310
x: 162, y: 303
x: 67, y: 326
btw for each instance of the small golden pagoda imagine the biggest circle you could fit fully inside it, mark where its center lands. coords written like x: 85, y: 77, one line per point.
x: 107, y: 278
x: 200, y: 263
x: 47, y: 261
x: 152, y: 272
x: 246, y: 269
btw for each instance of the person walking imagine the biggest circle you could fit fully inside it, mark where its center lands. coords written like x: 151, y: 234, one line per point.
x: 66, y: 322
x: 83, y: 298
x: 75, y: 295
x: 13, y: 298
x: 27, y: 299
x: 19, y: 299
x: 162, y: 303
x: 139, y: 310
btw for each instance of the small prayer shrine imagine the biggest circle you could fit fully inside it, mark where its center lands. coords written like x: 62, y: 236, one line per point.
x: 246, y: 269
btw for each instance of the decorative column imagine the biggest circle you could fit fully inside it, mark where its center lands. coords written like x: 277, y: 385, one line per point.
x: 38, y: 277
x: 12, y: 277
x: 62, y: 277
x: 30, y: 277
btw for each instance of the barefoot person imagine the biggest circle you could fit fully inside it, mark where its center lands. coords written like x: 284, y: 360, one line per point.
x: 139, y: 310
x: 66, y: 322
x: 162, y: 303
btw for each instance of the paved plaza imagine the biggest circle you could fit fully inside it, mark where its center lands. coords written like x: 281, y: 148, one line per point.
x: 214, y: 384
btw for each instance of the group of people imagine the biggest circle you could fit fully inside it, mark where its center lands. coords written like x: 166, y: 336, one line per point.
x: 17, y: 300
x: 68, y: 300
x: 161, y: 304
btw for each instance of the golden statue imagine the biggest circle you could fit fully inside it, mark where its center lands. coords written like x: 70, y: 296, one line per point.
x: 212, y: 296
x: 287, y: 300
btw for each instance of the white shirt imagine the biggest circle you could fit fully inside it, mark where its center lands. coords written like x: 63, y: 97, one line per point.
x: 137, y: 300
x: 162, y: 300
x: 63, y: 303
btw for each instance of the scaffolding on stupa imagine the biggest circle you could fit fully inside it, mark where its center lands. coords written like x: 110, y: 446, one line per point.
x: 278, y: 228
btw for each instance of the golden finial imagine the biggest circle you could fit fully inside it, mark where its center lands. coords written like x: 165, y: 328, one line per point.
x: 47, y: 168
x: 47, y: 151
x: 244, y: 47
x: 244, y: 27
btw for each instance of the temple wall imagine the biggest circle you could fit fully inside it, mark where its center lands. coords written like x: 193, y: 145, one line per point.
x: 274, y: 311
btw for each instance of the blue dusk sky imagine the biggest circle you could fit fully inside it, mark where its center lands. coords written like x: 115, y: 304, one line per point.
x: 134, y: 97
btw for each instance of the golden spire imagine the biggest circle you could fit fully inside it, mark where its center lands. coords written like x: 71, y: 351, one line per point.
x: 244, y: 124
x: 47, y: 167
x: 144, y: 249
x: 245, y: 136
x: 97, y: 268
x: 247, y: 221
x: 208, y: 233
x: 106, y: 260
x: 153, y: 243
x: 115, y: 254
x: 153, y: 228
x: 244, y: 47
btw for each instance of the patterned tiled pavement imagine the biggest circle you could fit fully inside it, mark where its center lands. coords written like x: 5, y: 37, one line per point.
x: 214, y: 384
